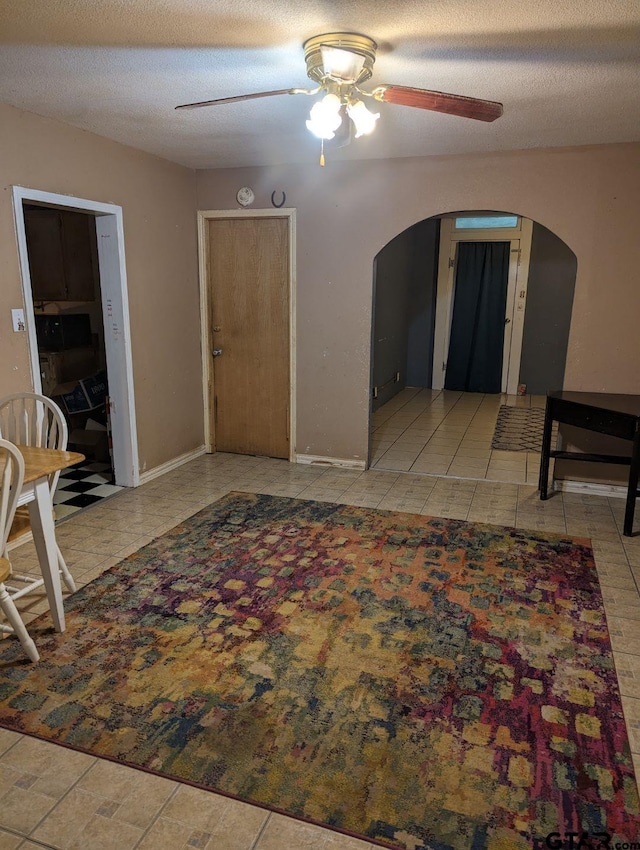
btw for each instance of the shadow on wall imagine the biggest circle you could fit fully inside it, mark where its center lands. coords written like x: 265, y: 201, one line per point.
x: 404, y: 298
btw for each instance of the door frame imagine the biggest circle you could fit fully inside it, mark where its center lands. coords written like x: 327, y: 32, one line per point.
x: 115, y: 316
x: 204, y: 216
x: 520, y: 246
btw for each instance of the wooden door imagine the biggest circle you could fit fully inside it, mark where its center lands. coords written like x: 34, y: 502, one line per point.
x: 249, y: 327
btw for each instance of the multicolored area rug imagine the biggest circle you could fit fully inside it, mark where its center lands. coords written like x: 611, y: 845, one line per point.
x: 420, y: 682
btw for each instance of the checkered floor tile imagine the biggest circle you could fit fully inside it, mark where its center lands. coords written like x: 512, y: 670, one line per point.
x: 81, y: 486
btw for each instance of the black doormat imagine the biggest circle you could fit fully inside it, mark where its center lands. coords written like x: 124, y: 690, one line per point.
x: 518, y: 429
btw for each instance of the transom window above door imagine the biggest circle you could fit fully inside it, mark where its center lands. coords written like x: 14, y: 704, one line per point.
x: 486, y: 222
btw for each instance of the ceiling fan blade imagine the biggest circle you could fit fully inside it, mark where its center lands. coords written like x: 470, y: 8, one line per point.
x: 438, y: 101
x: 239, y: 98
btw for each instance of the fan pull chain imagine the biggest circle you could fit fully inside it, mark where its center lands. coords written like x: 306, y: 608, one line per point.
x: 322, y: 152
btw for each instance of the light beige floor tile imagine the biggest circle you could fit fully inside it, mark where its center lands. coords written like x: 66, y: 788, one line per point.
x: 507, y: 518
x: 475, y: 441
x: 582, y: 529
x: 322, y: 495
x: 540, y: 524
x: 21, y: 808
x: 140, y: 796
x: 389, y: 503
x: 359, y: 501
x: 409, y: 437
x: 501, y: 456
x: 464, y: 471
x: 78, y: 561
x: 449, y: 511
x: 472, y: 463
x: 8, y: 739
x: 82, y: 820
x: 493, y: 503
x: 105, y: 542
x: 42, y: 769
x: 215, y: 815
x: 631, y: 710
x: 9, y: 841
x: 624, y: 634
x: 90, y: 575
x: 454, y: 486
x: 628, y: 609
x: 431, y: 467
x: 509, y: 476
x: 132, y: 546
x: 290, y: 490
x: 628, y: 671
x: 282, y: 832
x: 503, y: 491
x: 402, y: 465
x: 537, y: 508
x: 506, y: 466
x: 167, y: 834
x: 615, y: 575
x: 465, y: 452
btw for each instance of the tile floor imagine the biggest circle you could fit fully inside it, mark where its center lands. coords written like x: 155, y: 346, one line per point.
x: 81, y: 486
x: 442, y: 432
x: 52, y: 797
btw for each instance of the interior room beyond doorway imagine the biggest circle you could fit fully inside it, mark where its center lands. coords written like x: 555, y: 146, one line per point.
x: 449, y: 433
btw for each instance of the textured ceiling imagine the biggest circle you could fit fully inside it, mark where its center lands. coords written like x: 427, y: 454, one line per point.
x: 567, y: 71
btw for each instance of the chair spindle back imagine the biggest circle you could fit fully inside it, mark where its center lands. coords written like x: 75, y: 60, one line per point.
x: 31, y: 419
x: 11, y: 480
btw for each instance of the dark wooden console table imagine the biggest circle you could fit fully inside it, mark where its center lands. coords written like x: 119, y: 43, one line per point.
x: 605, y: 413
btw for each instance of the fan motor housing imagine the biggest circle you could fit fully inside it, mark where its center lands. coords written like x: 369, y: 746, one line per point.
x: 352, y: 42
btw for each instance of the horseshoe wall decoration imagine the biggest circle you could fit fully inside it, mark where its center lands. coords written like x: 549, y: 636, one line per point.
x: 273, y: 200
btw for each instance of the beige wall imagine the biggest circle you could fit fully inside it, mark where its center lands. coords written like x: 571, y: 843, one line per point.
x: 158, y: 202
x: 345, y: 214
x: 347, y: 211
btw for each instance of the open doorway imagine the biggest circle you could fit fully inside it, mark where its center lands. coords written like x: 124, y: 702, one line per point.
x: 483, y: 274
x: 67, y: 302
x: 431, y: 417
x: 76, y: 317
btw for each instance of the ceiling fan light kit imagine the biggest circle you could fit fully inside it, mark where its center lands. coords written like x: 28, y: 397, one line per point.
x: 339, y: 63
x: 349, y: 57
x: 325, y: 118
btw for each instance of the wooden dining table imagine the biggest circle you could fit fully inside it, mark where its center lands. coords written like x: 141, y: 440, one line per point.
x: 39, y: 465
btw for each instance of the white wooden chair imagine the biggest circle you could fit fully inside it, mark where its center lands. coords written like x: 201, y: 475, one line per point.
x: 31, y: 419
x: 11, y: 479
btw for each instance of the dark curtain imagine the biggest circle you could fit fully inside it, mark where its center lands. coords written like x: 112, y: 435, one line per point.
x: 474, y: 362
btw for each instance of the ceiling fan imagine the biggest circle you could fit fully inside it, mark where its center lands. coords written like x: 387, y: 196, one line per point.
x: 339, y: 63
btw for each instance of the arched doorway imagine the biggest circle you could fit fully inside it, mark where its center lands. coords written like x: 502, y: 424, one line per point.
x: 498, y: 272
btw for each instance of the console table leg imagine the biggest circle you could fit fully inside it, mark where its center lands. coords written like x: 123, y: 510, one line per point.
x: 543, y: 481
x: 632, y: 487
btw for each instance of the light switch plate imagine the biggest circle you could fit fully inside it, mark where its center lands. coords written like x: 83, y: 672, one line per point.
x: 17, y: 318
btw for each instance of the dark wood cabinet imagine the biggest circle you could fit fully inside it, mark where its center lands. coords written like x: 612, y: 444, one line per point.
x: 63, y: 255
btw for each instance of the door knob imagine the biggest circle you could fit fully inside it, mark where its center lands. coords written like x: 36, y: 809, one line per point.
x: 217, y: 352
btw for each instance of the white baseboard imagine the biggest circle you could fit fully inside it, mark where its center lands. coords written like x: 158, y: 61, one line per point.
x: 157, y: 471
x: 341, y: 462
x: 587, y: 488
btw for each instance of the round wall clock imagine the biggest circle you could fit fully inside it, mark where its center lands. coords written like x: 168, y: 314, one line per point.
x: 245, y: 196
